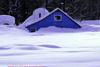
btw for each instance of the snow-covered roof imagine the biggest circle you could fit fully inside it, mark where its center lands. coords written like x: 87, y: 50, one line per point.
x: 65, y: 14
x: 62, y: 12
x: 50, y: 14
x: 35, y: 16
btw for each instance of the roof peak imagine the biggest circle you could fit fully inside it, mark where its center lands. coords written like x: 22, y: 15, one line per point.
x: 59, y: 10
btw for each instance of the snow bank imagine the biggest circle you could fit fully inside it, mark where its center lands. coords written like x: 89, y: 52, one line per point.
x: 81, y: 49
x: 11, y: 30
x: 7, y: 20
x: 91, y: 22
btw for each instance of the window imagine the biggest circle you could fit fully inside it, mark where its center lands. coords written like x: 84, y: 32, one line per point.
x: 39, y: 15
x: 58, y: 18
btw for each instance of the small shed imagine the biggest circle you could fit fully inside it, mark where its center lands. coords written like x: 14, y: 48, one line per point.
x: 57, y: 18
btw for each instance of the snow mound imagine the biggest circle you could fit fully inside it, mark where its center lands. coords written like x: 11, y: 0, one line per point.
x: 11, y: 30
x: 91, y: 22
x: 41, y: 11
x: 36, y: 16
x: 53, y: 29
x: 56, y: 50
x: 7, y: 20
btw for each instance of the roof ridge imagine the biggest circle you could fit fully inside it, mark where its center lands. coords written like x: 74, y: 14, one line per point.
x: 62, y: 12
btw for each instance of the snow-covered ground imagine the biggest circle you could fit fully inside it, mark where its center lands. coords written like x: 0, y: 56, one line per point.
x: 51, y: 47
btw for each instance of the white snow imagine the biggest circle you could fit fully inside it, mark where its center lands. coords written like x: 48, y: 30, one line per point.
x: 42, y: 11
x: 35, y: 17
x: 11, y: 30
x: 7, y: 19
x: 54, y: 48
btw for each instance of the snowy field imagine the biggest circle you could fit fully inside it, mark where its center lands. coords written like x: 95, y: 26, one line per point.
x: 51, y: 47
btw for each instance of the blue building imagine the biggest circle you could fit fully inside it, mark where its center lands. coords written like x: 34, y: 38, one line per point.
x: 57, y: 18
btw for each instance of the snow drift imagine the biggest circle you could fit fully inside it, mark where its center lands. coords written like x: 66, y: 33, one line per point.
x: 52, y: 49
x: 36, y: 16
x: 7, y: 20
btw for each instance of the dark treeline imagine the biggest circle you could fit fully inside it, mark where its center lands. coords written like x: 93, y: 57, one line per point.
x: 78, y: 9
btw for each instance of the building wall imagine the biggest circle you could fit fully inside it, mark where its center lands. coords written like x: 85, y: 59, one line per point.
x: 50, y: 20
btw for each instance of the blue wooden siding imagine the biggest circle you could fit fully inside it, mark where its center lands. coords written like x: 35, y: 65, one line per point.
x: 65, y: 22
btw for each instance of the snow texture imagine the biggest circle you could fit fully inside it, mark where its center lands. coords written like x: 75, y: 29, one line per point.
x: 54, y: 48
x: 36, y: 16
x: 7, y: 20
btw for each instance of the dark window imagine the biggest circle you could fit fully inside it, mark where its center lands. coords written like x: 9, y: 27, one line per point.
x: 58, y: 18
x: 39, y: 15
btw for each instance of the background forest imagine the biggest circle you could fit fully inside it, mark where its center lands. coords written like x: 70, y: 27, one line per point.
x: 78, y: 9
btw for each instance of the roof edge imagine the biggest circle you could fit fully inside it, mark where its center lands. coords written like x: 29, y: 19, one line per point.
x: 62, y: 12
